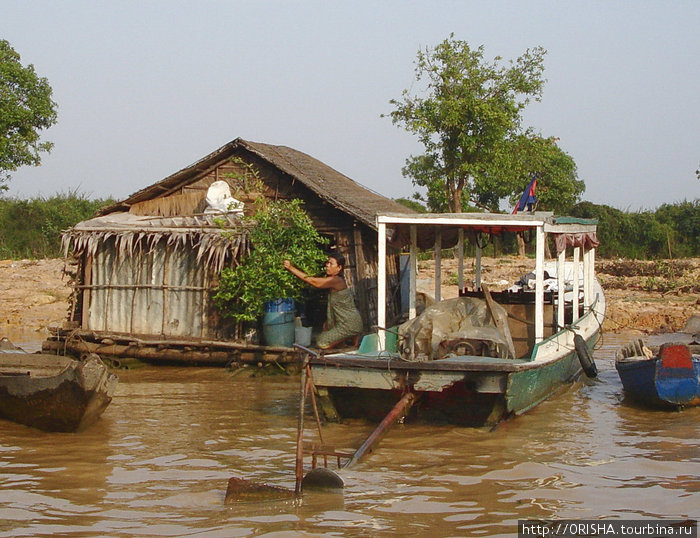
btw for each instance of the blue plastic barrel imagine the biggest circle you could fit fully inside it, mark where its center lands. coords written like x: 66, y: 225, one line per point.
x: 278, y: 328
x: 279, y: 305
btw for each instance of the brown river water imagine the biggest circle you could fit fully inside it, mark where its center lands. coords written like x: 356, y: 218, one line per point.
x: 158, y: 462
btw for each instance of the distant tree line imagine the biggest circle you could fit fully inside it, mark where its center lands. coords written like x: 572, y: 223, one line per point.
x: 670, y: 231
x: 32, y: 228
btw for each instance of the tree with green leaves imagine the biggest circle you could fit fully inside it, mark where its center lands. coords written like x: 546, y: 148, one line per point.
x: 25, y: 109
x: 467, y: 115
x: 528, y: 155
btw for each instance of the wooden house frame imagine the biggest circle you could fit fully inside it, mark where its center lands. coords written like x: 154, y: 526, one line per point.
x: 145, y: 267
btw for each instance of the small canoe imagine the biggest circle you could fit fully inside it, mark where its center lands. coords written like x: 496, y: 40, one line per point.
x: 51, y: 392
x: 667, y: 378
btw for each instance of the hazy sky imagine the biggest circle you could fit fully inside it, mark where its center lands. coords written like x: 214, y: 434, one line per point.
x: 147, y: 87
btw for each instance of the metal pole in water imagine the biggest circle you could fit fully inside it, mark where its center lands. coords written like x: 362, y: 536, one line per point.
x: 299, y: 469
x: 397, y: 411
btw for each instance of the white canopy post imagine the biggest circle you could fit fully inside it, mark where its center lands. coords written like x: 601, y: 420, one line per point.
x: 460, y: 260
x: 412, y: 259
x: 438, y: 262
x: 577, y: 282
x: 591, y: 274
x: 587, y: 281
x: 539, y: 284
x: 381, y: 284
x: 561, y: 288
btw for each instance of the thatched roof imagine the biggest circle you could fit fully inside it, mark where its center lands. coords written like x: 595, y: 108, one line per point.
x: 213, y: 237
x: 329, y: 184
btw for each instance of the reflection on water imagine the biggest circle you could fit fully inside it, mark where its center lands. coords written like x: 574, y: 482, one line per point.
x: 158, y: 461
x: 28, y: 339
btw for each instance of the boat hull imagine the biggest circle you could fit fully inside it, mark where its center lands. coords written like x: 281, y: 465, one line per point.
x: 641, y: 383
x: 54, y: 393
x: 457, y: 405
x: 465, y: 391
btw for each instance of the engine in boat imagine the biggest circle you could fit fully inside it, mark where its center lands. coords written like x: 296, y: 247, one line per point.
x: 460, y: 326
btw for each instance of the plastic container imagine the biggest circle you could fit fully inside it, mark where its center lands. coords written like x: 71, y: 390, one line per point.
x: 278, y: 328
x: 370, y: 342
x: 279, y: 305
x: 302, y: 336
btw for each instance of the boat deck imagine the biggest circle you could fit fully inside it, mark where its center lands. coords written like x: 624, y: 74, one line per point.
x: 392, y: 361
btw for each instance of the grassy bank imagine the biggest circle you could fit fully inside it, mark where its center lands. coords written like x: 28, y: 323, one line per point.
x: 32, y: 228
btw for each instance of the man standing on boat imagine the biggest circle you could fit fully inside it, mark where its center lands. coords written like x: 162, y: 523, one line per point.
x: 343, y: 320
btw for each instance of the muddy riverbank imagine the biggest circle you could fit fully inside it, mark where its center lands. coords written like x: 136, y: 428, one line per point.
x: 649, y: 296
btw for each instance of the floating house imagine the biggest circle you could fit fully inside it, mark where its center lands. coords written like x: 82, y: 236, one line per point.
x: 144, y: 268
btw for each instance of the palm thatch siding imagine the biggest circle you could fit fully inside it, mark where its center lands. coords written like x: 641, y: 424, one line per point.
x: 152, y: 276
x: 145, y: 266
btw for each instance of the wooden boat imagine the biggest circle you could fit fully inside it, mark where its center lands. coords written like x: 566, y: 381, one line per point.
x: 51, y: 392
x: 662, y: 376
x: 507, y: 351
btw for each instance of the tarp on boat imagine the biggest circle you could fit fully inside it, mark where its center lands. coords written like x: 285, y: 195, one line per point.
x: 460, y: 326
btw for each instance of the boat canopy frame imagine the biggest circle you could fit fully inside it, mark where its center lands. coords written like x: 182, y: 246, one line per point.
x: 425, y: 230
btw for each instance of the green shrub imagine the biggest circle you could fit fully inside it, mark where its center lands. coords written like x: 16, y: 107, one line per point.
x: 279, y: 230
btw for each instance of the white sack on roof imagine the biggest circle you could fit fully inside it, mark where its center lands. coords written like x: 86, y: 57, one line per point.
x: 219, y: 199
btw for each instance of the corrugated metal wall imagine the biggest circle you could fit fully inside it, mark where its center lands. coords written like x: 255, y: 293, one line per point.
x: 156, y: 291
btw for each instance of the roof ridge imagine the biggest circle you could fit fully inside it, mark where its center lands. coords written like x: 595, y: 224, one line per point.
x: 325, y: 181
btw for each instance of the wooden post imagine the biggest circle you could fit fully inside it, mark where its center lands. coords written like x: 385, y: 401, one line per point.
x: 204, y: 300
x: 166, y: 293
x: 87, y: 293
x: 110, y: 280
x: 134, y: 296
x: 591, y: 274
x: 397, y: 412
x: 361, y: 274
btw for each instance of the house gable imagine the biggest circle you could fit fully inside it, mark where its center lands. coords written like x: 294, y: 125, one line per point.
x: 285, y: 172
